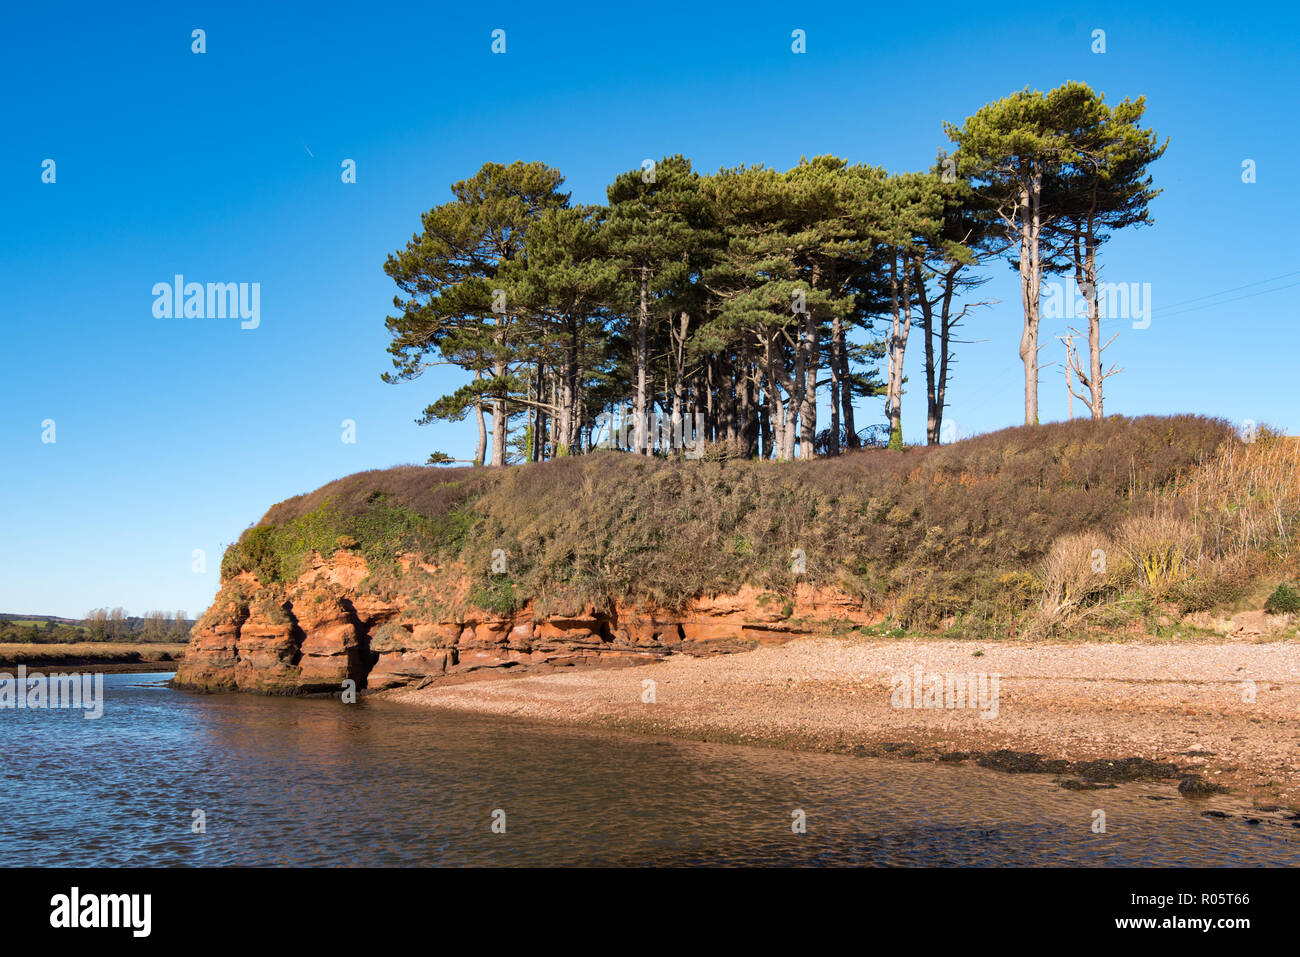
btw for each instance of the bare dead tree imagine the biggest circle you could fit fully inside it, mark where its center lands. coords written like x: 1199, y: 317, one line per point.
x: 1092, y: 379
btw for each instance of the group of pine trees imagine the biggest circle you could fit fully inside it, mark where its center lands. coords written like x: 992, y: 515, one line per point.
x: 737, y: 302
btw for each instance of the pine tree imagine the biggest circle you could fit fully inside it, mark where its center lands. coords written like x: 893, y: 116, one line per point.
x: 965, y: 236
x: 454, y: 304
x: 1006, y: 150
x: 653, y: 221
x: 1107, y: 187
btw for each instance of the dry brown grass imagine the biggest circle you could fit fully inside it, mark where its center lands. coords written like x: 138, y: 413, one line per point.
x: 89, y: 652
x: 1206, y: 541
x: 1078, y: 570
x: 1162, y: 549
x: 425, y: 489
x: 1247, y: 499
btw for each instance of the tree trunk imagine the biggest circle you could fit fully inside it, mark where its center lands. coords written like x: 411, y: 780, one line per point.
x: 728, y: 401
x: 679, y: 372
x: 778, y: 411
x: 710, y: 426
x: 480, y: 450
x: 1030, y: 283
x: 846, y: 398
x: 539, y: 418
x: 642, y: 333
x: 808, y: 406
x: 743, y: 412
x: 932, y: 414
x: 837, y: 331
x: 566, y: 423
x: 500, y: 425
x: 750, y: 429
x: 1086, y: 278
x: 552, y: 421
x: 795, y: 390
x: 899, y: 330
x: 945, y: 344
x: 530, y: 430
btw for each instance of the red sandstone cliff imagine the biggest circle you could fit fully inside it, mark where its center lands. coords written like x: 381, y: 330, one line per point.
x: 320, y: 630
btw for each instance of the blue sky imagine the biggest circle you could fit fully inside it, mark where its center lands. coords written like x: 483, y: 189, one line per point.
x: 175, y: 434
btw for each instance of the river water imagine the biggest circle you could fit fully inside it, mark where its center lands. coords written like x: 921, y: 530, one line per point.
x: 317, y: 782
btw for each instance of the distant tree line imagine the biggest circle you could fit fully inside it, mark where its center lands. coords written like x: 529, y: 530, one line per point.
x: 100, y: 624
x: 746, y: 298
x: 113, y: 624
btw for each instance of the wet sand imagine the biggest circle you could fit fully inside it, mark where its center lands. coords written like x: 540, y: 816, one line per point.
x: 1186, y: 707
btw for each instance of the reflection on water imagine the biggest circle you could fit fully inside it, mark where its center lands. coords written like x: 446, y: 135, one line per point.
x: 317, y: 782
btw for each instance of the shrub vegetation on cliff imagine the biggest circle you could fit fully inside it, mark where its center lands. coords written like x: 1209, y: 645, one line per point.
x: 1284, y: 600
x: 974, y: 535
x: 382, y: 514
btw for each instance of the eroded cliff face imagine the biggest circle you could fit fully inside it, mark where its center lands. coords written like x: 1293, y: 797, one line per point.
x: 315, y: 633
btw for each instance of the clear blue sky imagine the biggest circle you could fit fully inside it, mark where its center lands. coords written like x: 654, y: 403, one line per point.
x: 174, y: 435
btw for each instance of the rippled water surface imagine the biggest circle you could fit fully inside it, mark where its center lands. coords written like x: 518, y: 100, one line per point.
x: 284, y: 781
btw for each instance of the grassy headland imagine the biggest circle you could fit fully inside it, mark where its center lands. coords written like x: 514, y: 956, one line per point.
x: 1064, y: 529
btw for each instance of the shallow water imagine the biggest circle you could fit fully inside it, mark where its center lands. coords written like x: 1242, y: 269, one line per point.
x: 317, y: 782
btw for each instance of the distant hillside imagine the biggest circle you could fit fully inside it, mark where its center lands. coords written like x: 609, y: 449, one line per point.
x: 7, y: 616
x: 103, y: 625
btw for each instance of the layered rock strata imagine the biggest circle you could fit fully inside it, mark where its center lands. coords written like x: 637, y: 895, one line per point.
x: 318, y: 632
